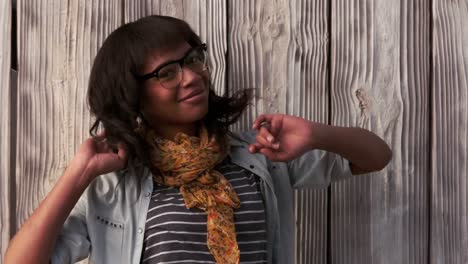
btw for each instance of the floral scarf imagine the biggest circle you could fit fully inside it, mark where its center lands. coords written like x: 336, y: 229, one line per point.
x: 188, y: 163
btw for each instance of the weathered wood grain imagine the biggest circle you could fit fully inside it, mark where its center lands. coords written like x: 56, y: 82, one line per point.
x: 415, y: 81
x: 57, y: 43
x: 307, y: 95
x: 5, y: 124
x: 280, y: 49
x: 259, y: 36
x: 206, y: 17
x: 449, y: 200
x: 380, y: 81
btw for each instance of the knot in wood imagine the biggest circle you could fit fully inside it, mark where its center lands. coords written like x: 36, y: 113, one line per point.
x: 364, y: 101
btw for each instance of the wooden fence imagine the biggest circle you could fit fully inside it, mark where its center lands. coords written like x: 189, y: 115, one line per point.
x: 398, y: 68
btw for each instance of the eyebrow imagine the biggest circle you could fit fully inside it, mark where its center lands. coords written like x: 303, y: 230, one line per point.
x: 172, y: 61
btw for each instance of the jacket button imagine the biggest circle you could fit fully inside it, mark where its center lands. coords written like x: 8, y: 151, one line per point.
x: 252, y: 166
x: 140, y: 230
x: 148, y: 194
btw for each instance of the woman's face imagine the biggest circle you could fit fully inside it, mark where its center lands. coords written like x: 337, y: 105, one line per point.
x: 174, y: 105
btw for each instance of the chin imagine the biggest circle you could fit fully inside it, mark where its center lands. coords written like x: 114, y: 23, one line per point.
x: 193, y: 115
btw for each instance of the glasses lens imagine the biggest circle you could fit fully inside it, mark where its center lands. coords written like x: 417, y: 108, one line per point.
x: 196, y: 60
x: 170, y: 75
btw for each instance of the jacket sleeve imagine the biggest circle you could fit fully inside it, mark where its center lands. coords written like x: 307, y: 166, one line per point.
x: 73, y: 243
x: 317, y: 168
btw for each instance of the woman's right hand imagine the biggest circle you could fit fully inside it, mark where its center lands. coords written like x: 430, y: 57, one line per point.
x: 34, y: 242
x: 95, y: 157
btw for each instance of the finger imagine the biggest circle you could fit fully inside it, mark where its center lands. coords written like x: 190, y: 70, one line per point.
x: 270, y: 154
x: 255, y: 147
x: 100, y: 136
x: 102, y: 146
x: 122, y: 152
x: 110, y: 163
x: 276, y: 124
x: 260, y: 119
x: 102, y: 133
x: 265, y: 138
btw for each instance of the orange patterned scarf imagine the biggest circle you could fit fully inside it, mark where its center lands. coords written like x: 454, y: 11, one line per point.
x: 188, y: 163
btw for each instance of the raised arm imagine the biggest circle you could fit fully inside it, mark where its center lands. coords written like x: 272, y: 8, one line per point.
x: 35, y: 241
x: 365, y: 150
x: 284, y: 138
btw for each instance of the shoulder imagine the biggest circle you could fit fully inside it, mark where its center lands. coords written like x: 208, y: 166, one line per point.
x: 242, y: 138
x: 115, y: 185
x: 103, y: 187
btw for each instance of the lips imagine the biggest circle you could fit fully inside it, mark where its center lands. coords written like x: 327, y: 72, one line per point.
x: 190, y: 95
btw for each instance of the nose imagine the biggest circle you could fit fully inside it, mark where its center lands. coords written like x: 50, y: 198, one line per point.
x: 189, y: 77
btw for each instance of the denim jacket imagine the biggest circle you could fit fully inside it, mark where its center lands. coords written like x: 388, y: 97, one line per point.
x: 107, y: 224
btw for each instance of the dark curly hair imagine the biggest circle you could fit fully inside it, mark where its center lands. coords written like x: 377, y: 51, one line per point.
x: 114, y: 92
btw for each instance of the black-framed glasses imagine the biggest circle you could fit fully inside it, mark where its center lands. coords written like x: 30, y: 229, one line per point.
x: 170, y: 73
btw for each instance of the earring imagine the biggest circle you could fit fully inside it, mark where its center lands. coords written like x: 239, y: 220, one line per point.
x: 139, y: 120
x: 139, y: 125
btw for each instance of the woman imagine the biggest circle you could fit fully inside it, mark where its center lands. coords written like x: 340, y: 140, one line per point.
x: 167, y: 182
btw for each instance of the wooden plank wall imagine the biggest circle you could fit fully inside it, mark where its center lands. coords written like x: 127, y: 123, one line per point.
x: 449, y: 155
x: 57, y: 43
x: 280, y: 49
x: 5, y: 121
x: 399, y: 69
x: 380, y: 81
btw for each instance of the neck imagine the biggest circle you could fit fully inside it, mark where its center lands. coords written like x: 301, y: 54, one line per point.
x: 169, y: 131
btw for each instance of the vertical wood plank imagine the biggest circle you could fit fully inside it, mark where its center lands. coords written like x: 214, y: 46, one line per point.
x: 259, y: 37
x: 449, y: 200
x: 280, y: 49
x: 5, y: 123
x: 57, y: 43
x: 206, y: 17
x: 307, y: 96
x: 415, y: 81
x: 380, y: 74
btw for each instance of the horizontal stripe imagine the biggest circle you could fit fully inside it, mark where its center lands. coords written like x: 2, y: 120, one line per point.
x: 247, y: 193
x: 245, y: 185
x: 176, y: 222
x: 233, y: 172
x: 176, y: 241
x: 202, y: 223
x: 249, y: 212
x: 176, y: 251
x: 166, y: 199
x: 251, y: 242
x: 253, y: 252
x: 164, y: 205
x: 162, y: 188
x: 174, y: 213
x: 175, y: 232
x: 249, y: 222
x: 252, y: 202
x: 191, y: 261
x: 159, y: 193
x: 251, y: 232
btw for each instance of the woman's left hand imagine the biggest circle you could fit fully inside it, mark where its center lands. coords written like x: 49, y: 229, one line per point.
x: 282, y: 137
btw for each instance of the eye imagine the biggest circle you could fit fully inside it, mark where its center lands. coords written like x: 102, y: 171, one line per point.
x: 195, y: 58
x: 168, y: 72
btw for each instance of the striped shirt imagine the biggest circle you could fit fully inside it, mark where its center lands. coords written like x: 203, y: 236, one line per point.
x: 175, y: 234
